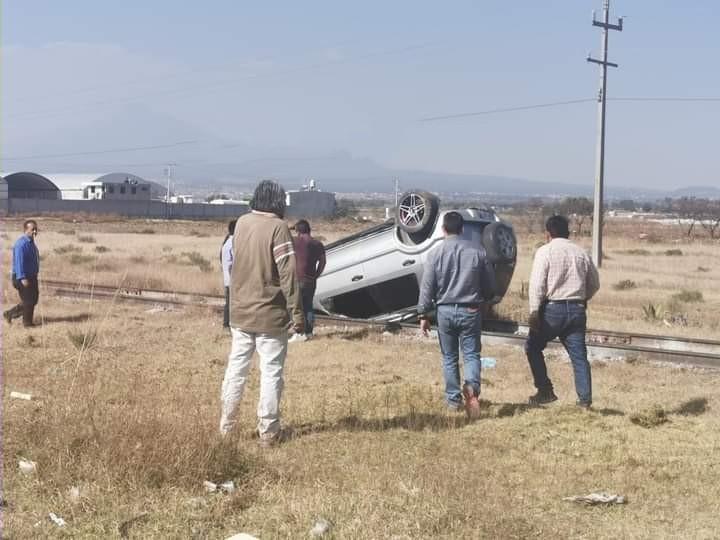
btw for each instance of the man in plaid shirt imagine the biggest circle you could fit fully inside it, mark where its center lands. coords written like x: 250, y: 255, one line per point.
x: 563, y: 279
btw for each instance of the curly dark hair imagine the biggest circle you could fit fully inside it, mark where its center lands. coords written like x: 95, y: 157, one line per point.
x: 269, y: 196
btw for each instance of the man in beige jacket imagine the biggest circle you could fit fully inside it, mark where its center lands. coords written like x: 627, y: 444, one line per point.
x: 263, y: 289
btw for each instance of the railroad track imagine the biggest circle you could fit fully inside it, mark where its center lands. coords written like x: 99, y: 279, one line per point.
x: 601, y: 343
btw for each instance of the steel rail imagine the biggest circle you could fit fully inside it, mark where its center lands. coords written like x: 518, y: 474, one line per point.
x: 600, y: 343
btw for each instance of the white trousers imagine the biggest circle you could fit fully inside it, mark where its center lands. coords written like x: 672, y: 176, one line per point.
x: 272, y: 350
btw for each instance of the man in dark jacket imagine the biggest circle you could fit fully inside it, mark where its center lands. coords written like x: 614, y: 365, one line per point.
x: 457, y: 280
x: 310, y: 263
x: 26, y: 266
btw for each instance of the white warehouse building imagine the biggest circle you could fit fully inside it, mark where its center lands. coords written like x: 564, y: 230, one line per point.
x: 110, y: 186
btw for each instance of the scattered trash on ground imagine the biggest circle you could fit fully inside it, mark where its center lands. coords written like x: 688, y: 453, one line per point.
x: 242, y: 536
x: 652, y: 417
x: 27, y: 466
x: 160, y: 309
x: 20, y: 395
x: 597, y: 498
x: 488, y: 362
x: 57, y: 520
x: 225, y: 487
x: 209, y: 486
x: 322, y: 527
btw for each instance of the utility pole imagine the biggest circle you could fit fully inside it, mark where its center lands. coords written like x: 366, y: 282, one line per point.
x: 397, y: 191
x: 600, y: 153
x: 168, y: 176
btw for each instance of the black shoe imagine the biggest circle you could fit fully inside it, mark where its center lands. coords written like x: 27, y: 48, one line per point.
x: 542, y: 397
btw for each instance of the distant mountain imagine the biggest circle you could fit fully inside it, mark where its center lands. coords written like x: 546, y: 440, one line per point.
x: 208, y: 162
x: 706, y: 192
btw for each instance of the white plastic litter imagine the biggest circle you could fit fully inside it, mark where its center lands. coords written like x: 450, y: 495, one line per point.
x: 27, y: 466
x: 20, y: 395
x: 488, y: 362
x: 597, y: 498
x: 209, y: 486
x: 57, y: 520
x: 242, y: 536
x: 225, y: 487
x: 322, y: 527
x: 160, y: 309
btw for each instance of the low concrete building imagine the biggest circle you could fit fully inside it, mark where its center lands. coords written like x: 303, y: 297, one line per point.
x: 112, y: 186
x: 310, y: 204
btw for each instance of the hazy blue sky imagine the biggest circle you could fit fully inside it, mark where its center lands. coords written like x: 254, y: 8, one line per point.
x: 316, y: 77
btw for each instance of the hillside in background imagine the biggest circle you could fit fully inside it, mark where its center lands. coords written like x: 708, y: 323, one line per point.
x: 205, y: 162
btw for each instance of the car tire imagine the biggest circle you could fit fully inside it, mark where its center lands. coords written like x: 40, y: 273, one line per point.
x: 500, y: 244
x: 416, y: 211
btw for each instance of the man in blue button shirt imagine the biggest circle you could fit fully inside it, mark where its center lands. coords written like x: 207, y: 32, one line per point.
x: 458, y: 279
x: 26, y: 266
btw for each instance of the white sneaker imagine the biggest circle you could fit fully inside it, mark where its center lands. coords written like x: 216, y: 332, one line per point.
x: 297, y: 338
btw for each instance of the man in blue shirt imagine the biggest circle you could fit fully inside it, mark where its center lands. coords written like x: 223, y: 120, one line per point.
x: 26, y: 266
x: 458, y: 279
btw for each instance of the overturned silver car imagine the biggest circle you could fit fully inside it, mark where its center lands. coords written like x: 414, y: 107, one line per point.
x: 376, y: 273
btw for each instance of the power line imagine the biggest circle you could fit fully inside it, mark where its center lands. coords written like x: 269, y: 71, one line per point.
x: 95, y: 152
x: 506, y: 109
x: 648, y: 99
x: 680, y: 99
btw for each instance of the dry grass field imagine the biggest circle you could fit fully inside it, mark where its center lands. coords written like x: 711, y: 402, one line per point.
x: 126, y: 404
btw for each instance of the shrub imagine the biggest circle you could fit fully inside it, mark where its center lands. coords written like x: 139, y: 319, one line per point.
x: 86, y: 239
x: 673, y: 252
x: 68, y: 232
x: 688, y: 296
x: 83, y: 340
x: 199, y: 234
x: 67, y: 248
x: 196, y: 259
x: 624, y: 285
x: 102, y: 249
x: 79, y: 258
x: 167, y: 249
x: 702, y: 269
x: 138, y: 259
x: 648, y: 418
x: 643, y: 252
x: 147, y: 231
x: 652, y: 312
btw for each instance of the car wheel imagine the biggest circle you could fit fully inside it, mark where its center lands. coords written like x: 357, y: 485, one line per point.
x: 500, y: 244
x: 416, y: 211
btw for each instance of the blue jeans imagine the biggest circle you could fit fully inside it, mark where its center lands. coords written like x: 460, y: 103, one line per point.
x: 459, y: 327
x: 567, y: 322
x: 307, y: 293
